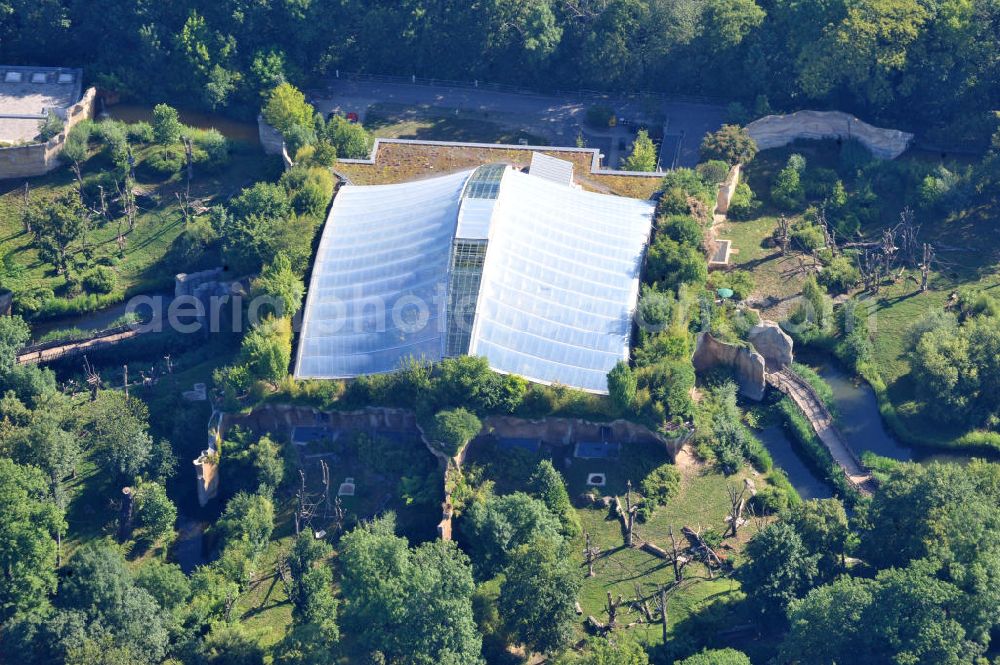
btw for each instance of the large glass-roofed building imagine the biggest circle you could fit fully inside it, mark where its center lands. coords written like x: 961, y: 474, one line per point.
x: 536, y: 275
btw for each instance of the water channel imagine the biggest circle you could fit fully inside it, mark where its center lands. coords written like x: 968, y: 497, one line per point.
x: 858, y: 419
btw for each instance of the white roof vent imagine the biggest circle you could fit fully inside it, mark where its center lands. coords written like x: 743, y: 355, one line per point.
x: 66, y: 78
x: 39, y: 77
x: 551, y: 168
x: 12, y: 77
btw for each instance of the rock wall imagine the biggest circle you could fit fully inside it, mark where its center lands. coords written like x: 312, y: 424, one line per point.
x: 727, y: 190
x: 25, y: 161
x: 774, y: 131
x: 270, y: 138
x: 773, y: 343
x: 566, y: 431
x: 748, y: 365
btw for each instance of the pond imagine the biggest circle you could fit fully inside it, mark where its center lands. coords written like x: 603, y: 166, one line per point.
x: 237, y: 130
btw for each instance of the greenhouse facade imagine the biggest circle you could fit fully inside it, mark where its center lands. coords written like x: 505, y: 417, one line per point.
x: 536, y: 275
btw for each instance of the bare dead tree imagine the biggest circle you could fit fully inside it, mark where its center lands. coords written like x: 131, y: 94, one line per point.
x: 925, y: 267
x: 189, y: 158
x: 93, y: 378
x: 662, y: 599
x: 737, y: 503
x: 909, y: 230
x: 591, y: 553
x: 784, y: 235
x: 26, y: 208
x: 678, y: 560
x: 829, y: 233
x: 104, y: 203
x: 889, y: 251
x: 628, y: 515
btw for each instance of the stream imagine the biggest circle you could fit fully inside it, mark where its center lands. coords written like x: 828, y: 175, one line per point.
x: 858, y: 419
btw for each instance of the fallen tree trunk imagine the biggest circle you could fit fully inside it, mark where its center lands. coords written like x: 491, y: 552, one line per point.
x: 699, y: 546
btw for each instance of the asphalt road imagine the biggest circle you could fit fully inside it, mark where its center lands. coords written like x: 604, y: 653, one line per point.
x: 559, y: 119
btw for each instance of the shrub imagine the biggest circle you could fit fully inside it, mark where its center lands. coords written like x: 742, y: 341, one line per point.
x: 140, y: 132
x: 214, y: 146
x: 717, y: 657
x: 682, y: 228
x: 287, y: 107
x: 661, y: 485
x: 452, y: 430
x: 310, y: 188
x: 350, y: 139
x: 770, y: 501
x: 713, y: 172
x: 101, y: 279
x: 808, y: 237
x: 840, y: 275
x: 744, y: 203
x: 50, y: 127
x: 670, y: 264
x: 853, y: 157
x: 819, y: 183
x: 166, y: 162
x: 643, y: 156
x: 787, y: 191
x: 740, y: 281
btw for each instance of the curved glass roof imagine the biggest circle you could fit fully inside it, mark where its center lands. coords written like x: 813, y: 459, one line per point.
x: 380, y: 278
x: 559, y: 283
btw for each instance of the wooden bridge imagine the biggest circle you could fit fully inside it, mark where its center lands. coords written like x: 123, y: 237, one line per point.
x: 812, y: 407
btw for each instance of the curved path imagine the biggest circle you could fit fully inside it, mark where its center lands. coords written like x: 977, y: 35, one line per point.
x: 819, y: 417
x: 43, y: 353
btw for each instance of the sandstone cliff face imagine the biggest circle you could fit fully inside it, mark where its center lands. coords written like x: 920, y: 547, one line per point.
x: 773, y: 343
x: 747, y: 364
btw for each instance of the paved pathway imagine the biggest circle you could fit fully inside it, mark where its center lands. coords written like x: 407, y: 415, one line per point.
x: 34, y: 356
x: 557, y: 118
x: 819, y: 417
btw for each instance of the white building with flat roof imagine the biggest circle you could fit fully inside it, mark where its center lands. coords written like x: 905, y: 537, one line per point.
x: 536, y: 275
x: 29, y: 94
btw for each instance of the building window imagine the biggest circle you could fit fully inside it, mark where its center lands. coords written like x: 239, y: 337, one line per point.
x: 464, y: 277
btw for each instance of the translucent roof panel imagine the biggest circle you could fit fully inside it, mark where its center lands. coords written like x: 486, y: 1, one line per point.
x: 380, y: 278
x: 551, y: 168
x: 560, y: 282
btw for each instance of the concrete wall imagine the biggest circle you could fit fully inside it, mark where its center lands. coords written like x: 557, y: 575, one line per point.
x: 774, y: 131
x: 40, y: 158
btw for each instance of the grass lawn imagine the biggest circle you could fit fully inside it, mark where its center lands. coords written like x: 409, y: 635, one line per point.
x: 395, y: 121
x: 701, y: 504
x: 777, y: 279
x: 151, y: 257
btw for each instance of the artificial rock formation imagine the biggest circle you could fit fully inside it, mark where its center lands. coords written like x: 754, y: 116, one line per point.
x: 747, y: 364
x: 774, y: 131
x: 773, y: 343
